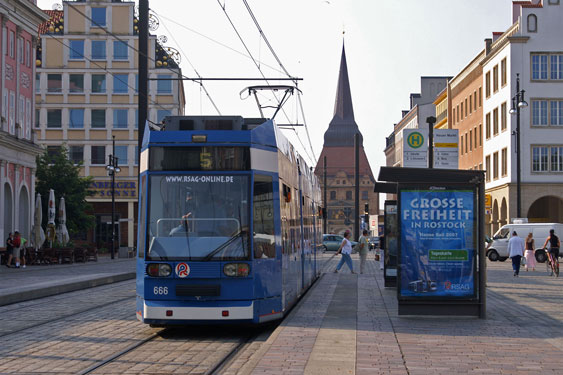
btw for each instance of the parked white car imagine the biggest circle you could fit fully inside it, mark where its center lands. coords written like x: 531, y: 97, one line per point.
x: 498, y: 249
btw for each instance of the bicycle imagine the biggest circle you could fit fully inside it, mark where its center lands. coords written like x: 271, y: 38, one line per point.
x: 552, y: 263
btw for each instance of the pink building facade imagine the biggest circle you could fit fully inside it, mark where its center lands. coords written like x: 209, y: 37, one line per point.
x: 19, y: 22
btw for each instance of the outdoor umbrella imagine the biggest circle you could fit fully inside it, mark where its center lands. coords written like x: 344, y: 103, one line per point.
x: 51, y: 233
x: 38, y: 236
x: 62, y: 232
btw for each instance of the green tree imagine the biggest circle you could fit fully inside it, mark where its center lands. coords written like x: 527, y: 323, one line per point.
x: 55, y: 171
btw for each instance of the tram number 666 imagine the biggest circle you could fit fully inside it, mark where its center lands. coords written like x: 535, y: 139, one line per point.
x: 162, y: 290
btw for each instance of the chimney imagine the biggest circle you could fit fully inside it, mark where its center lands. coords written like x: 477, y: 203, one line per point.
x: 488, y: 43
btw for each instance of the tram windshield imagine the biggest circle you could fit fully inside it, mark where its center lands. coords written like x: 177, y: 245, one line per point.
x: 198, y: 217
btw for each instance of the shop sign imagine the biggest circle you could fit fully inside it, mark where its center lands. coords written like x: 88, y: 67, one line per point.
x: 123, y: 189
x: 437, y: 243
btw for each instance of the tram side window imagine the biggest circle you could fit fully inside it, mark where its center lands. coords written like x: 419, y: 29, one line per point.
x: 142, y: 217
x: 263, y: 218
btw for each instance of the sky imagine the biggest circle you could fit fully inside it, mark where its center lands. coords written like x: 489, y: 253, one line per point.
x: 389, y: 45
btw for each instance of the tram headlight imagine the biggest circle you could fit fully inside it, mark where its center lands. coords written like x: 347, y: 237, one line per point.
x: 159, y: 270
x: 236, y: 269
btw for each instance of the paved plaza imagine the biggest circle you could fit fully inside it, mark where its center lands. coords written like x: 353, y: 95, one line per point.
x: 348, y: 324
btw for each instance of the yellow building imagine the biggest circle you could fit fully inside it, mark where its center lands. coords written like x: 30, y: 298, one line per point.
x: 86, y: 94
x: 441, y: 104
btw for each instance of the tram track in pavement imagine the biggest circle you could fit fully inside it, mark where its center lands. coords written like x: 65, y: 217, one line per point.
x: 177, y: 334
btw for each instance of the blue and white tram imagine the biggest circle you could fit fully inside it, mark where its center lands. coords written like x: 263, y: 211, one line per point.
x: 229, y: 222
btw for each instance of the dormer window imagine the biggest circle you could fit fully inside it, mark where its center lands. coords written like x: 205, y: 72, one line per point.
x: 532, y: 23
x: 553, y: 2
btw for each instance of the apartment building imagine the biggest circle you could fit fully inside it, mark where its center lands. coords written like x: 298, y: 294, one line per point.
x: 86, y: 95
x: 19, y: 20
x: 530, y: 51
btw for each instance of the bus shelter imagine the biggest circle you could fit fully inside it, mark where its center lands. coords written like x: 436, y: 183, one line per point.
x: 440, y: 248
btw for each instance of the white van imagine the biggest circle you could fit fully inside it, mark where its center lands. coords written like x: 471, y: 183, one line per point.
x: 498, y: 250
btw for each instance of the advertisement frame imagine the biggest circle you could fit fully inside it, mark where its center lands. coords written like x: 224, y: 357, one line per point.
x: 475, y: 296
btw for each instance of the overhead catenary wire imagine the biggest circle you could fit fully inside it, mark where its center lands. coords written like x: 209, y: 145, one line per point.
x: 202, y: 87
x: 261, y: 73
x: 263, y: 36
x: 104, y: 69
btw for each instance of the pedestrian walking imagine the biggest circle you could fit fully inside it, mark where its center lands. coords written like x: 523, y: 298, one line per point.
x: 345, y: 249
x: 381, y: 252
x: 515, y: 252
x: 363, y: 244
x: 9, y: 249
x: 23, y: 252
x: 529, y: 254
x: 16, y: 242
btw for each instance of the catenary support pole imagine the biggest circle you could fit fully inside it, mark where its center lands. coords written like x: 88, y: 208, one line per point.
x: 357, y: 187
x: 325, y: 213
x: 143, y: 70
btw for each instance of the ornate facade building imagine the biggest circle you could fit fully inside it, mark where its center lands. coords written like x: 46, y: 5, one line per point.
x: 338, y: 149
x: 19, y: 20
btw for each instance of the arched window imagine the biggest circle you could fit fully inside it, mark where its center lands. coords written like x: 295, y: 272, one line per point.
x: 532, y: 23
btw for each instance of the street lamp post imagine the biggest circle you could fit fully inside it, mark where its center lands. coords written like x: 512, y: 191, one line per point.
x: 112, y: 169
x: 517, y: 103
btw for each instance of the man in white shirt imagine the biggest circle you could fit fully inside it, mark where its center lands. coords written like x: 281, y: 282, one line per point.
x: 515, y: 252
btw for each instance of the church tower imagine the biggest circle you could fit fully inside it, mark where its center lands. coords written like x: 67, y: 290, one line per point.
x: 338, y: 149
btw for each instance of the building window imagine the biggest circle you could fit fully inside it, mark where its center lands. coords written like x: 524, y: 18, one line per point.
x: 98, y: 83
x: 488, y: 167
x: 53, y: 118
x: 348, y: 195
x: 136, y: 155
x: 503, y: 114
x: 556, y: 67
x: 76, y: 83
x: 332, y: 195
x: 76, y: 49
x: 556, y: 112
x: 503, y: 72
x: 475, y: 100
x: 480, y: 97
x: 556, y: 163
x: 466, y: 107
x: 475, y: 137
x: 461, y: 106
x: 37, y: 117
x: 365, y: 195
x: 136, y: 119
x: 161, y: 114
x: 488, y: 125
x: 52, y: 152
x: 539, y: 67
x: 120, y: 118
x: 470, y: 103
x: 76, y: 154
x: 54, y: 83
x: 164, y: 84
x: 98, y: 118
x: 470, y: 140
x: 488, y: 84
x: 120, y: 83
x: 458, y: 113
x: 453, y: 117
x: 553, y: 2
x: 120, y: 50
x: 98, y: 155
x: 539, y: 112
x: 27, y: 53
x: 98, y: 49
x: 495, y: 78
x: 495, y: 166
x: 495, y: 121
x: 532, y: 23
x: 76, y: 119
x: 480, y: 134
x: 98, y: 17
x: 539, y: 159
x: 121, y: 154
x: 504, y: 161
x: 37, y: 83
x: 12, y: 43
x: 466, y: 149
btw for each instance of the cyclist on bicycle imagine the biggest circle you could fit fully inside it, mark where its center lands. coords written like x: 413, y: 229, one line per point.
x: 554, y: 245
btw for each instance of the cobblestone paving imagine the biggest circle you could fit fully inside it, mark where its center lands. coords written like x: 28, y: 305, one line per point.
x: 523, y: 332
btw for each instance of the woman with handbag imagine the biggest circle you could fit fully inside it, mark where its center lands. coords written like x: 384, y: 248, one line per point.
x: 345, y: 249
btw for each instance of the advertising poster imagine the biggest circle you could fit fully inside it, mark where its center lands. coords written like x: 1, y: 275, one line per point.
x: 437, y: 244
